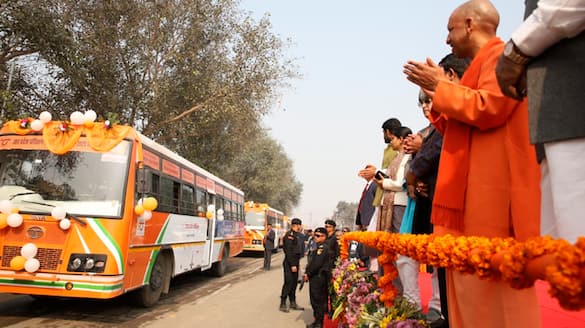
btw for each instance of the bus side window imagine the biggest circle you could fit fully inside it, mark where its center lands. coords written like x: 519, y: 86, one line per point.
x: 169, y: 194
x: 187, y: 200
x: 210, y: 201
x: 220, y: 204
x: 200, y: 204
x: 176, y: 196
x: 155, y: 184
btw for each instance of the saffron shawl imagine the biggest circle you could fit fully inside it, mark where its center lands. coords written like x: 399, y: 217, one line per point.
x: 449, y: 199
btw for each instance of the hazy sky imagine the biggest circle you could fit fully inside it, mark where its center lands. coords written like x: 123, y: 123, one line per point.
x: 351, y: 55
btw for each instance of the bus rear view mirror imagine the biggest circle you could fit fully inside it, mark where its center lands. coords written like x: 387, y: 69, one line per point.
x: 143, y: 181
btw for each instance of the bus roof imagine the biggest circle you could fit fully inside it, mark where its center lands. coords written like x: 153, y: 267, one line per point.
x: 172, y: 155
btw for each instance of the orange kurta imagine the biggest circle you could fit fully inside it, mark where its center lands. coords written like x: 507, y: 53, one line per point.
x: 502, y: 195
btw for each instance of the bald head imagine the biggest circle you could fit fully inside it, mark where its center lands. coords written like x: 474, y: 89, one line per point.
x: 483, y: 12
x: 471, y: 26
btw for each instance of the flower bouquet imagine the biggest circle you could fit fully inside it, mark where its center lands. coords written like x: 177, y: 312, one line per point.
x: 357, y: 301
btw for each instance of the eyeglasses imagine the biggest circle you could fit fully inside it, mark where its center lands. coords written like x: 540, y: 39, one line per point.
x: 319, y: 235
x: 427, y: 101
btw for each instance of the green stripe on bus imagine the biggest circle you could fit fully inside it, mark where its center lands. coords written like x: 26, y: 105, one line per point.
x: 114, y: 244
x: 163, y: 230
x: 96, y: 287
x: 153, y: 257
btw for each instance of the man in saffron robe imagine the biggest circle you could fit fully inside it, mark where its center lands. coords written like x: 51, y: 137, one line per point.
x: 488, y: 182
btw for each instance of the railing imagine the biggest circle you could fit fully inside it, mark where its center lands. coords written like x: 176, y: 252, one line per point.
x: 520, y: 264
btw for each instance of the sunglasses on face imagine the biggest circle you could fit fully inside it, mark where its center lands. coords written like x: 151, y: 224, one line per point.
x: 319, y: 235
x: 424, y: 102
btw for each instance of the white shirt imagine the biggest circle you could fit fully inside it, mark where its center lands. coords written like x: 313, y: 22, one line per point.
x: 550, y: 22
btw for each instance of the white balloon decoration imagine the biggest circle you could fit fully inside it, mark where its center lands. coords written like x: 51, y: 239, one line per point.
x: 89, y: 116
x: 58, y: 213
x: 5, y: 206
x: 14, y: 220
x: 147, y: 215
x: 76, y: 118
x: 32, y: 265
x: 65, y: 224
x: 45, y: 117
x: 29, y: 250
x: 37, y: 125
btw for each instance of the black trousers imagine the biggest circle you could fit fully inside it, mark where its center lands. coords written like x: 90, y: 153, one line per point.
x: 267, y: 257
x: 442, y: 275
x: 318, y: 294
x: 289, y: 287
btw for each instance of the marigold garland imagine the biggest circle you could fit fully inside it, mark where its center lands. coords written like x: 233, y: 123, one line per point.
x: 566, y: 276
x: 489, y: 258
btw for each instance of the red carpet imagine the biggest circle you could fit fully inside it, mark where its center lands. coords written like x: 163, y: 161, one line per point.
x: 552, y: 314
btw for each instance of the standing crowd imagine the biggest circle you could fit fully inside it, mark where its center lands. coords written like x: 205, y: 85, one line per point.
x: 502, y: 156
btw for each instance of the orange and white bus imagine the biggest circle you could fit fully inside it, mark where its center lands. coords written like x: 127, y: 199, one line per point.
x: 80, y: 216
x: 258, y: 215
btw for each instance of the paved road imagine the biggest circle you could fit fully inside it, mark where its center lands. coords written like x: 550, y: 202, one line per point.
x: 194, y: 300
x: 250, y: 303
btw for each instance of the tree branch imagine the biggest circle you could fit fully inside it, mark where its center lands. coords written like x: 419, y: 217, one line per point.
x: 195, y: 108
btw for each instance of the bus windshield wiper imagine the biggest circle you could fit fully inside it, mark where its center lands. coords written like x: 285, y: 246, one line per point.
x: 22, y: 194
x: 69, y: 216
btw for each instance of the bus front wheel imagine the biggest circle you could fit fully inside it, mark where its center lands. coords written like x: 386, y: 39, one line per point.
x: 149, y: 294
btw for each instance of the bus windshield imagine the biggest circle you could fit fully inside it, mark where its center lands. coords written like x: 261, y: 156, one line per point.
x: 255, y: 219
x: 84, y: 183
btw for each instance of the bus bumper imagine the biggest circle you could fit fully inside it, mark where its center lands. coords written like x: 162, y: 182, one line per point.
x: 62, y: 285
x: 253, y: 248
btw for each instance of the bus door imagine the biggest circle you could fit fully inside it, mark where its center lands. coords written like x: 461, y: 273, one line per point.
x: 211, y: 232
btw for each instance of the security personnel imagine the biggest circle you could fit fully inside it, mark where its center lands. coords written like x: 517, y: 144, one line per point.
x: 291, y: 244
x: 317, y: 273
x: 332, y: 243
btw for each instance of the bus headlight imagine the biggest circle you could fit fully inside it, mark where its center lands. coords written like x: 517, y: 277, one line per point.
x: 75, y: 263
x: 87, y: 262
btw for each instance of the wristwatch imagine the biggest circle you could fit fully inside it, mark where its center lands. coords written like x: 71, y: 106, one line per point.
x: 514, y: 54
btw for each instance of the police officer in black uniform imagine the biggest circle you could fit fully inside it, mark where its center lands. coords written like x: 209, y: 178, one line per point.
x: 332, y: 244
x: 291, y: 244
x: 317, y: 273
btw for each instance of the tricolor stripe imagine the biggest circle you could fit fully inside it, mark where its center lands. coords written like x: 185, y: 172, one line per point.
x: 108, y: 241
x: 155, y: 252
x: 91, y: 287
x: 83, y: 243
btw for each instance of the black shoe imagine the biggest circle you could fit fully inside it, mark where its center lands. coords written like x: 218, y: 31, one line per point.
x: 294, y: 306
x: 283, y: 307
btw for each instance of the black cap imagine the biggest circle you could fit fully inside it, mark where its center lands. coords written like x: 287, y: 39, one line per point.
x: 296, y: 221
x: 321, y: 230
x: 331, y: 223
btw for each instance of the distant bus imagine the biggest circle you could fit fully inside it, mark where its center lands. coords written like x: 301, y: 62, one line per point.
x: 75, y: 222
x: 258, y: 215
